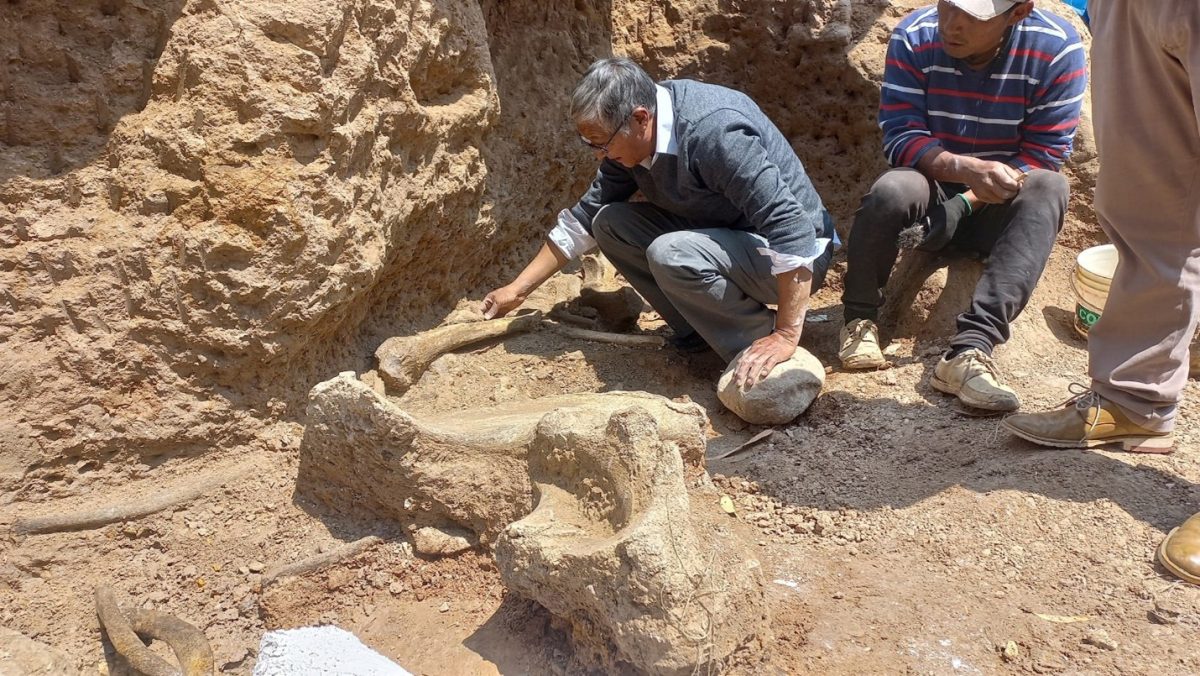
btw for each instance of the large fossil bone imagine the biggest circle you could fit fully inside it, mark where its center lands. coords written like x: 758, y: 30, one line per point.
x: 462, y: 468
x: 615, y: 548
x: 616, y: 303
x: 606, y: 535
x: 404, y: 359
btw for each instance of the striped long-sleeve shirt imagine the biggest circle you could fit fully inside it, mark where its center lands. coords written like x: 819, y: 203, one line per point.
x: 1022, y: 109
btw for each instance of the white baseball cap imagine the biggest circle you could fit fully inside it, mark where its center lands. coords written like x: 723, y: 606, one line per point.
x: 985, y: 9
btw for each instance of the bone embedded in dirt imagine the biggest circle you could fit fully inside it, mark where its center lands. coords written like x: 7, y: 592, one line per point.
x: 617, y: 305
x: 786, y: 393
x: 617, y: 550
x: 361, y: 452
x: 431, y: 541
x: 126, y: 631
x: 403, y: 359
x: 463, y: 469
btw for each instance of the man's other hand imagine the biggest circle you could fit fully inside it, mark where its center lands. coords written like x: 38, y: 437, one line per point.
x: 992, y: 182
x: 501, y: 302
x: 763, y: 355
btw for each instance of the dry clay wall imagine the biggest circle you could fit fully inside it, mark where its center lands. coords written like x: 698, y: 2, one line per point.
x: 208, y: 206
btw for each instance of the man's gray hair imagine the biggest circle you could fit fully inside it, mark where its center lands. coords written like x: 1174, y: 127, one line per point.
x: 609, y: 93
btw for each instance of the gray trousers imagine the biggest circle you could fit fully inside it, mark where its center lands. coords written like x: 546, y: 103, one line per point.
x: 709, y: 281
x: 1145, y: 88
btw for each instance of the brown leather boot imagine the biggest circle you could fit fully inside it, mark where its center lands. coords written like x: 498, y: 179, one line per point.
x: 1087, y: 421
x: 1180, y: 551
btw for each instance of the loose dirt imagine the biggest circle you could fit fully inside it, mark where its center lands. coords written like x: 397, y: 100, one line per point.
x: 896, y: 533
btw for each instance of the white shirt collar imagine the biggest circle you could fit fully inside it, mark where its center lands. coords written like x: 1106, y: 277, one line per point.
x: 664, y: 120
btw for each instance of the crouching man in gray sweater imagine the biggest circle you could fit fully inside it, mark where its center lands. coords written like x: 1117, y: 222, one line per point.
x: 731, y: 223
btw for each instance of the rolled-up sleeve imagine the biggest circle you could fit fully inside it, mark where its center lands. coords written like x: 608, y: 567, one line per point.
x: 784, y: 263
x: 570, y: 237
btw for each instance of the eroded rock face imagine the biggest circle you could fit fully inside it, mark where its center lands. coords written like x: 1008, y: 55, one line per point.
x: 617, y: 549
x: 197, y: 199
x: 465, y: 469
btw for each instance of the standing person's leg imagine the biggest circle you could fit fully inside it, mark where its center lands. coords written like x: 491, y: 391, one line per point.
x: 899, y: 198
x: 1130, y: 382
x: 1145, y: 71
x: 624, y: 231
x: 1148, y: 199
x: 721, y: 284
x: 1017, y: 238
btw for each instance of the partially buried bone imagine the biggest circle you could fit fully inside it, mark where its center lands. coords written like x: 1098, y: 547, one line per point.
x: 189, y: 644
x: 404, y: 359
x: 607, y: 536
x: 616, y: 549
x: 616, y: 303
x: 623, y: 339
x: 465, y: 469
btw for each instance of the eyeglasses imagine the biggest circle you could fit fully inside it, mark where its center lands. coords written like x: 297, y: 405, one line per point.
x: 604, y: 146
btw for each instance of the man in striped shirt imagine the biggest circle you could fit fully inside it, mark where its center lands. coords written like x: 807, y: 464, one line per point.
x: 979, y: 106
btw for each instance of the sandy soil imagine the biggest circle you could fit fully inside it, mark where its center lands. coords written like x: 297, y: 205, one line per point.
x: 897, y: 533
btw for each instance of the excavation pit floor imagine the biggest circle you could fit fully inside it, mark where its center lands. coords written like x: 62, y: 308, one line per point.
x: 895, y: 532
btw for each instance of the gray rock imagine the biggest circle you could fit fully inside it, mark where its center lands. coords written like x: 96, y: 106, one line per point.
x: 785, y: 394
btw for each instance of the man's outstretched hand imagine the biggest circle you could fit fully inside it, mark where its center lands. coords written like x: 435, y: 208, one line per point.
x: 501, y: 302
x: 509, y: 297
x: 763, y: 355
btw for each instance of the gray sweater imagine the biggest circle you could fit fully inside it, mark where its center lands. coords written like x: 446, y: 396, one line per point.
x: 734, y: 170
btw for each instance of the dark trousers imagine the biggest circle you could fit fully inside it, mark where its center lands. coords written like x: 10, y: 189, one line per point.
x: 1016, y: 237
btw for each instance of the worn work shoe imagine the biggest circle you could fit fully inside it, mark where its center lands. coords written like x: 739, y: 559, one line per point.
x: 1180, y: 551
x: 972, y: 377
x: 1087, y: 421
x: 692, y: 343
x: 860, y: 345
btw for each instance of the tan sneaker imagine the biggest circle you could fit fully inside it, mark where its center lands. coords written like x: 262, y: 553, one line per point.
x: 1087, y: 421
x: 972, y: 377
x: 860, y: 345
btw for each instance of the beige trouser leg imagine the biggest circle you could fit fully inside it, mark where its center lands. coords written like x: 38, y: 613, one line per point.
x: 1146, y: 88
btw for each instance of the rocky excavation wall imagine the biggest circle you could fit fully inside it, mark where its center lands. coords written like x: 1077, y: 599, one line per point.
x: 204, y: 201
x: 207, y: 207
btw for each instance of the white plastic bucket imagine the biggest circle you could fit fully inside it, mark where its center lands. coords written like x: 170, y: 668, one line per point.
x: 1094, y: 269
